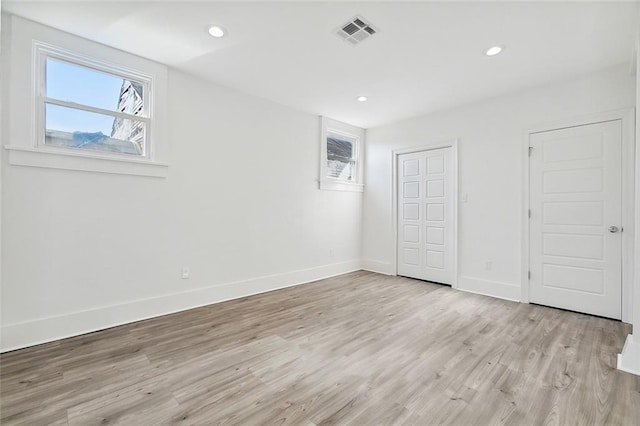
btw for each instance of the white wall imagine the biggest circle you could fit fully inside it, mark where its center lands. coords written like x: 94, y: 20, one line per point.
x: 241, y: 207
x: 629, y: 358
x: 3, y: 122
x: 491, y: 157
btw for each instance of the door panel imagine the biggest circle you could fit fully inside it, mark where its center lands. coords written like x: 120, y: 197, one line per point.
x: 576, y: 246
x: 425, y: 223
x: 575, y: 195
x: 573, y: 181
x: 573, y: 213
x: 411, y: 190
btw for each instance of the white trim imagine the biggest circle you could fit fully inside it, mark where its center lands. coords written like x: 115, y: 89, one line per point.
x: 339, y: 185
x: 26, y: 91
x: 453, y: 144
x: 629, y: 358
x: 96, y: 110
x: 105, y: 67
x: 42, y: 330
x: 42, y: 51
x: 69, y: 160
x: 497, y: 289
x: 377, y: 266
x: 627, y: 117
x: 328, y: 125
x: 525, y: 265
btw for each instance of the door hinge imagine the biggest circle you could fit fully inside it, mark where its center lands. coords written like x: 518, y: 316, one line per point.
x: 530, y: 149
x: 529, y: 213
x: 529, y: 274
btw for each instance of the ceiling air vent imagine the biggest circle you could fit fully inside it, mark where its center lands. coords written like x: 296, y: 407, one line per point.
x: 356, y: 30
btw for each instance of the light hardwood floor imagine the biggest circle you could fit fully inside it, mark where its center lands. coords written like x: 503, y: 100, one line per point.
x: 361, y: 348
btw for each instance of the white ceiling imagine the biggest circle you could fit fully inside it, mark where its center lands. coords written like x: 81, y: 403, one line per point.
x: 426, y: 57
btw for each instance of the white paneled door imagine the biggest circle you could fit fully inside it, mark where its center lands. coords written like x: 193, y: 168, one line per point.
x: 425, y: 215
x: 575, y: 219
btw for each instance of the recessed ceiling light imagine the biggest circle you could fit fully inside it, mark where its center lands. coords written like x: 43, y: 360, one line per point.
x: 215, y: 31
x: 492, y: 51
x: 362, y: 98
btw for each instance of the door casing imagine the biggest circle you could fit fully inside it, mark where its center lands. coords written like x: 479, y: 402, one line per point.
x: 627, y: 116
x: 453, y: 144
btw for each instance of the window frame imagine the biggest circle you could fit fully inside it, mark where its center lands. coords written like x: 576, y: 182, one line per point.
x: 326, y: 182
x: 354, y: 157
x: 20, y: 140
x: 43, y: 51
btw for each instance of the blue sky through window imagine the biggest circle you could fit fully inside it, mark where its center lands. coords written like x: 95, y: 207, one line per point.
x: 75, y: 120
x: 81, y: 85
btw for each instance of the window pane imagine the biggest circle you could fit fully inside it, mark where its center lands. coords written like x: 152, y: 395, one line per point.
x: 74, y: 128
x: 74, y: 83
x: 341, y: 169
x: 340, y: 161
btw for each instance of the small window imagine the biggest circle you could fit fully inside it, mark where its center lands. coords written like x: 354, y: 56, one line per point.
x: 92, y: 107
x: 341, y: 159
x: 341, y: 156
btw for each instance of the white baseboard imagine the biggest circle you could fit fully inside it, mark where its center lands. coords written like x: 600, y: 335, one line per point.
x: 489, y: 288
x: 21, y: 335
x: 629, y: 358
x: 377, y: 266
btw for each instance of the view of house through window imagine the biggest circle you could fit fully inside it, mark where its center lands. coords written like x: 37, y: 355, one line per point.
x: 341, y: 161
x: 90, y: 109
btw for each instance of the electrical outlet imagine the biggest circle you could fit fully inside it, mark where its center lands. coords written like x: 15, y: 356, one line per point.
x: 488, y: 265
x: 330, y: 253
x: 186, y: 273
x: 464, y: 197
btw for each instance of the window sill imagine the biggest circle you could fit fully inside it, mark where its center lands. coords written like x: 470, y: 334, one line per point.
x: 31, y: 157
x: 333, y: 185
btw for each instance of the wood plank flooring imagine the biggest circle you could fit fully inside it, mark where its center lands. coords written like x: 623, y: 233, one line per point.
x: 357, y: 349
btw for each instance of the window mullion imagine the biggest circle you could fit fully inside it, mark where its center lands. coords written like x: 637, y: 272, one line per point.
x: 75, y: 105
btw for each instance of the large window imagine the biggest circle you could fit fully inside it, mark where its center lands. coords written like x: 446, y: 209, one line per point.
x: 88, y: 106
x: 74, y: 104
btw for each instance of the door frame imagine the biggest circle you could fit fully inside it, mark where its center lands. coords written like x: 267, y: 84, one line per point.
x: 627, y: 117
x: 453, y: 144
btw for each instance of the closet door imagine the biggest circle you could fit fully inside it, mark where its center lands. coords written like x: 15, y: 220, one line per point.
x: 425, y: 215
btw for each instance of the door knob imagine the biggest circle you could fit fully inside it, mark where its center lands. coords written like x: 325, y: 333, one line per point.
x: 613, y: 229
